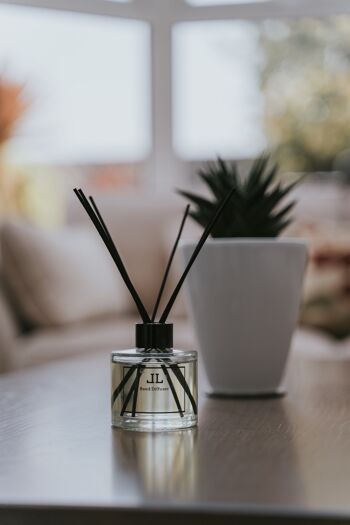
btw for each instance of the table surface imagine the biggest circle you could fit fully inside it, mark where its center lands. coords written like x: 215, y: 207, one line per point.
x: 256, y: 460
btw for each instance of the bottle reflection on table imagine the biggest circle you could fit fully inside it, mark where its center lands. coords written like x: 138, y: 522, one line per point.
x: 165, y: 463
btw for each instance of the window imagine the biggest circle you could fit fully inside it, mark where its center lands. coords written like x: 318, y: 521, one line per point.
x: 101, y: 89
x: 88, y: 82
x: 242, y: 86
x: 218, y: 106
x: 305, y: 78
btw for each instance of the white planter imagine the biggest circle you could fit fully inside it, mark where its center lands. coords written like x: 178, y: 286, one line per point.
x: 244, y: 297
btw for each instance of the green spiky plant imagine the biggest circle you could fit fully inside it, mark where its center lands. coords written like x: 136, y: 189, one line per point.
x: 255, y: 209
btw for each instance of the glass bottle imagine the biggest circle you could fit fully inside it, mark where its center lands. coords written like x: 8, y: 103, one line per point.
x: 154, y: 387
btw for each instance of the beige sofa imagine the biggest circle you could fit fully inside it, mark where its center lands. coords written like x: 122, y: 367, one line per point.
x: 144, y: 228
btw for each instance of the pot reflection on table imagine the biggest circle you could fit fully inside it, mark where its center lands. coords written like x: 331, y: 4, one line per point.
x: 162, y: 464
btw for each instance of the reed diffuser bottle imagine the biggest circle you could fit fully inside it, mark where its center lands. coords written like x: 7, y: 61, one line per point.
x: 154, y: 387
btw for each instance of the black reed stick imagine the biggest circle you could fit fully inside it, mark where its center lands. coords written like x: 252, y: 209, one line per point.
x: 194, y: 255
x: 167, y: 269
x: 102, y: 229
x: 128, y: 397
x: 126, y: 378
x: 97, y: 211
x: 136, y: 391
x: 180, y: 377
x: 121, y: 266
x: 172, y: 388
x: 107, y: 239
x: 122, y: 383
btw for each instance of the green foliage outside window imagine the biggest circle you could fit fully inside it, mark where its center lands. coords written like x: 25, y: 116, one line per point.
x: 306, y: 84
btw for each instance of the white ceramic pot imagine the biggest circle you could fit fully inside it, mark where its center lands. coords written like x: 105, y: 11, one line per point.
x: 244, y: 297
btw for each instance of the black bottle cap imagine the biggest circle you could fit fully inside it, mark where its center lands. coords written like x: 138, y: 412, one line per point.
x: 154, y: 335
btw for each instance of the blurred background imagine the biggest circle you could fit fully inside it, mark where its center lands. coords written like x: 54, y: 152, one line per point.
x: 133, y: 102
x: 128, y: 98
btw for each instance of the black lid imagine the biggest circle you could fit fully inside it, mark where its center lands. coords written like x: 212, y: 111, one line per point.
x: 154, y: 335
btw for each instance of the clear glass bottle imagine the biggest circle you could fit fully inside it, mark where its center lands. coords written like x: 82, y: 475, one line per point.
x: 154, y: 387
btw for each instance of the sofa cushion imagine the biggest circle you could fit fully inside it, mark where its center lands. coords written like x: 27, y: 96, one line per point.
x: 60, y: 276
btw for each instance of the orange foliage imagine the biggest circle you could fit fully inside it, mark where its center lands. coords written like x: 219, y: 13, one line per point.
x: 13, y: 105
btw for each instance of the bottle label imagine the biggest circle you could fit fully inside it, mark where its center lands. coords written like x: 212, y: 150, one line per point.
x: 155, y: 395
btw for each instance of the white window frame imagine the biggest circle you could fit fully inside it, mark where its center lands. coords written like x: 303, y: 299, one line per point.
x: 163, y: 167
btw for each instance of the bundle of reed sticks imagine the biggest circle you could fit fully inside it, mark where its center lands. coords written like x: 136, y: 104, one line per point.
x: 94, y: 213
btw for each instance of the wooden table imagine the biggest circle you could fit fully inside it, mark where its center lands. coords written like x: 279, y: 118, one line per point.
x: 265, y: 461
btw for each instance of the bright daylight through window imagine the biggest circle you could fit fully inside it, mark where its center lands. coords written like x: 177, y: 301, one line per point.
x: 87, y: 83
x: 218, y: 105
x: 98, y: 91
x: 242, y: 86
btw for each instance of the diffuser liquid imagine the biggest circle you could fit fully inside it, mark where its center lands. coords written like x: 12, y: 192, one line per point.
x: 154, y: 390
